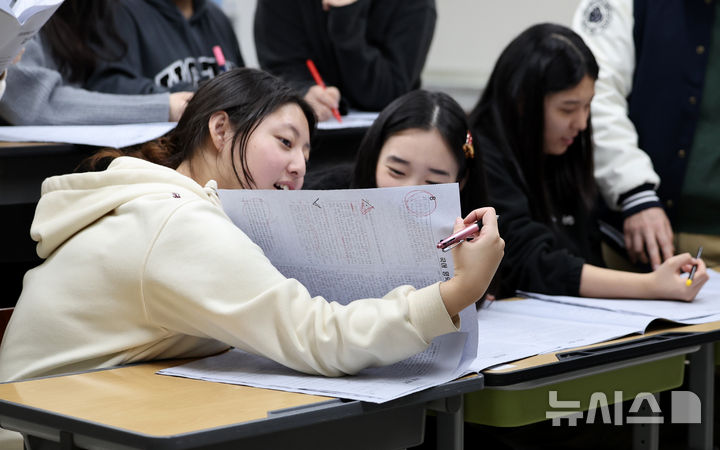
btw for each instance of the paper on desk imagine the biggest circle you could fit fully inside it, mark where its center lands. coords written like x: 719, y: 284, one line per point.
x: 705, y: 307
x: 510, y: 330
x: 354, y: 119
x: 350, y: 244
x: 115, y: 136
x: 376, y: 385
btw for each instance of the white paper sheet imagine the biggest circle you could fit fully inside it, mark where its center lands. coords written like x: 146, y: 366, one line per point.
x: 115, y: 136
x: 352, y: 243
x: 510, y: 330
x: 376, y: 385
x: 354, y: 119
x: 705, y: 307
x: 345, y: 245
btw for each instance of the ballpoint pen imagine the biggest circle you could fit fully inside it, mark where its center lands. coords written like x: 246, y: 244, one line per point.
x: 694, y: 268
x: 455, y: 239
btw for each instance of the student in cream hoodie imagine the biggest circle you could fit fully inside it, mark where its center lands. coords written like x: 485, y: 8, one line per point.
x: 141, y: 263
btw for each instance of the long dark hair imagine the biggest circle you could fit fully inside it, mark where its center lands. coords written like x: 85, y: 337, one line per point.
x: 424, y: 110
x: 248, y: 96
x: 81, y: 33
x: 544, y: 59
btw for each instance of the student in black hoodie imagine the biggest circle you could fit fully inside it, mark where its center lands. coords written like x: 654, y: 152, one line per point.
x: 372, y: 51
x: 169, y: 47
x: 534, y: 133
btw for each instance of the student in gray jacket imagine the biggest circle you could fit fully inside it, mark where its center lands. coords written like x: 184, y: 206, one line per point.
x: 49, y: 81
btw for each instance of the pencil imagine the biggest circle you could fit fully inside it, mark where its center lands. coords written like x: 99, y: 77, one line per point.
x: 694, y: 268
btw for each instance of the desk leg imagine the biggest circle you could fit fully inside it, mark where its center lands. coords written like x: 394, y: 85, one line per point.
x: 701, y: 381
x: 646, y: 436
x: 450, y: 423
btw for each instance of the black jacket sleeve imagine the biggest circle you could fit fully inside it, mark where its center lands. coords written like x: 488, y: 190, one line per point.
x: 534, y: 259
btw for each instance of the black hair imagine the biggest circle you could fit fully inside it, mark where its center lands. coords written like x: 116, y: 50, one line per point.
x: 81, y: 33
x: 544, y: 59
x: 248, y: 96
x: 424, y: 110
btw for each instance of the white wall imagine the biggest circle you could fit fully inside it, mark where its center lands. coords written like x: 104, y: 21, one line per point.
x: 242, y: 13
x: 469, y: 34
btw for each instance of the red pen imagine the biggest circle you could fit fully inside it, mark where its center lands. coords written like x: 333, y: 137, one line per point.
x: 319, y: 81
x: 458, y: 238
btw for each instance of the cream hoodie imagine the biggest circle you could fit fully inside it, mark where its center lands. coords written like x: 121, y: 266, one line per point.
x: 142, y: 263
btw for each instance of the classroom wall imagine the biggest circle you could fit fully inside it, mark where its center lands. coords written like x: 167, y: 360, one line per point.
x: 469, y: 36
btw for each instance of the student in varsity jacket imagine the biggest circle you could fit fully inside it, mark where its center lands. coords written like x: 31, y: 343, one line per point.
x: 369, y: 52
x: 169, y: 47
x: 534, y: 133
x: 654, y: 116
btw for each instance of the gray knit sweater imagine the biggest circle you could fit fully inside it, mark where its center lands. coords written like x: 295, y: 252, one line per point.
x: 37, y: 94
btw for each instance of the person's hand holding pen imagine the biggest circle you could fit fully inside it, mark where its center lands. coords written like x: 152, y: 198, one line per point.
x: 670, y: 282
x: 475, y: 261
x: 324, y: 100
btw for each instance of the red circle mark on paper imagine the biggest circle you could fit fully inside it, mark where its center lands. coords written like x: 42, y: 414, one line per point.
x: 420, y: 203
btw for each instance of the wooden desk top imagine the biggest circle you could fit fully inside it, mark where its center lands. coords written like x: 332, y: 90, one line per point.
x: 134, y: 397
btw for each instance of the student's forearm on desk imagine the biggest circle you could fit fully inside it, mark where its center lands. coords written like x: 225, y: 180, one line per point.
x: 606, y: 283
x: 666, y: 282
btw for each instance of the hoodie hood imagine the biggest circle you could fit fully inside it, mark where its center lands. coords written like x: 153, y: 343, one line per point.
x: 69, y: 203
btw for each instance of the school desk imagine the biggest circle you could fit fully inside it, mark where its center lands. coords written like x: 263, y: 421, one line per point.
x: 518, y: 394
x: 132, y: 407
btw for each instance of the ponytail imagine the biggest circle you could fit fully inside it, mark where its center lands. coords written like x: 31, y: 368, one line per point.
x: 158, y: 151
